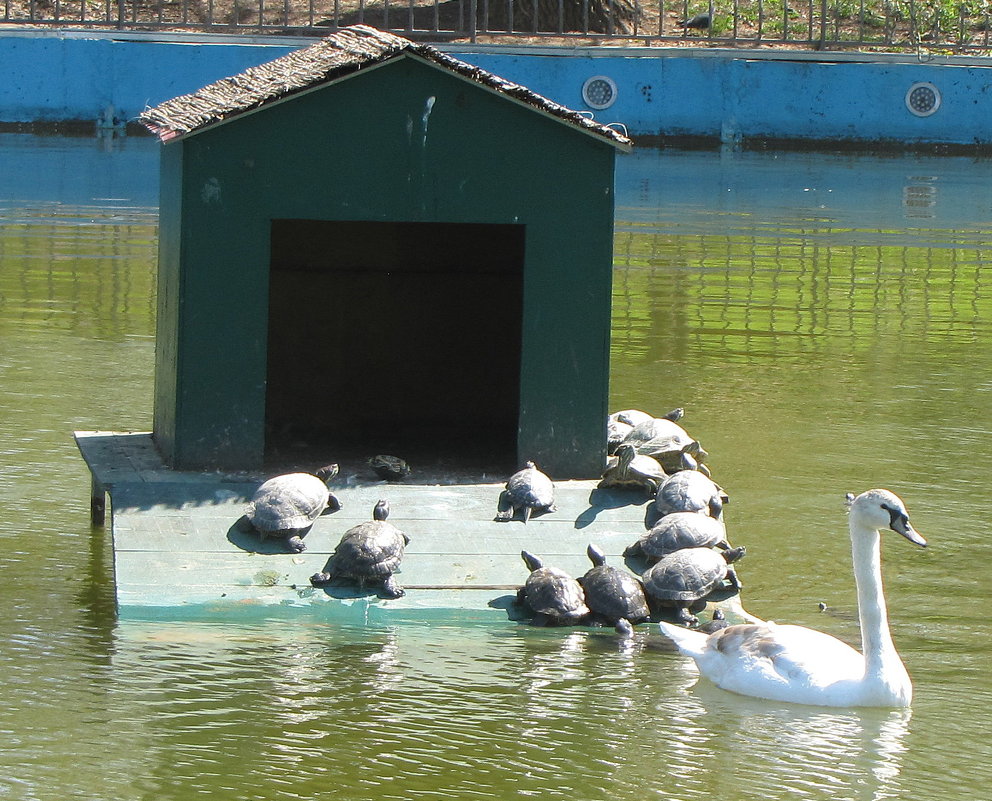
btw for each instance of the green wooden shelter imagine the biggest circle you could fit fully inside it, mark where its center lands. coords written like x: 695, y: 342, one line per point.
x: 367, y: 245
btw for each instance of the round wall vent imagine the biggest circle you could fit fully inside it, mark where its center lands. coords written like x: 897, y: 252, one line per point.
x: 923, y: 99
x: 599, y: 92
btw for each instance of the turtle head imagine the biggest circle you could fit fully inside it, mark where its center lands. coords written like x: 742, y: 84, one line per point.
x: 532, y: 562
x: 596, y: 555
x: 733, y: 554
x: 381, y: 510
x: 327, y: 472
x: 625, y: 454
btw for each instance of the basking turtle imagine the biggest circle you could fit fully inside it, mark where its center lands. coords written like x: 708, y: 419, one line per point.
x: 286, y: 506
x: 630, y: 470
x: 683, y: 579
x: 620, y: 424
x: 616, y: 432
x: 717, y: 621
x: 389, y: 468
x: 555, y: 597
x: 680, y: 530
x: 613, y: 594
x: 690, y: 491
x: 370, y: 552
x: 667, y: 442
x: 528, y: 489
x: 630, y: 417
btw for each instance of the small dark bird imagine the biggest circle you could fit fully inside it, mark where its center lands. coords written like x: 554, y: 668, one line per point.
x: 699, y: 22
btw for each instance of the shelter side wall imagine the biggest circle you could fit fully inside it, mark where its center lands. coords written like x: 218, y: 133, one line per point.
x: 673, y: 92
x: 430, y: 147
x: 168, y: 324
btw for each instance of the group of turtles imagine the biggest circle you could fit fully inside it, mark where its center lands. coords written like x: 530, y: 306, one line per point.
x: 684, y: 558
x: 286, y: 507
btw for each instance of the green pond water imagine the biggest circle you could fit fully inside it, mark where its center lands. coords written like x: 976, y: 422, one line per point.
x: 825, y: 320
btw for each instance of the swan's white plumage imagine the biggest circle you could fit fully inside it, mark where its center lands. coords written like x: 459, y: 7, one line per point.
x: 802, y: 665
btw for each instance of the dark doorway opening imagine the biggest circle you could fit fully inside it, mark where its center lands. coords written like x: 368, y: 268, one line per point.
x: 395, y: 337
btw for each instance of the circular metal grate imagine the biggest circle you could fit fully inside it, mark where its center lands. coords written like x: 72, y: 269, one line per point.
x: 923, y: 99
x: 599, y: 92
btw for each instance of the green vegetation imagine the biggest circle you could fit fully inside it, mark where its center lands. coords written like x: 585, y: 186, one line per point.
x: 954, y: 25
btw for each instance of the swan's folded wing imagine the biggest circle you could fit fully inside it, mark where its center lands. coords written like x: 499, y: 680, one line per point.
x: 756, y: 658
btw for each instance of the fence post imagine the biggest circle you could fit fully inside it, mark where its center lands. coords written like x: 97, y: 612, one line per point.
x: 823, y: 25
x: 121, y: 14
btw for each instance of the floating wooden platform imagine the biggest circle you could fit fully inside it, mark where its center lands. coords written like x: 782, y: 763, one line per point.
x: 177, y: 550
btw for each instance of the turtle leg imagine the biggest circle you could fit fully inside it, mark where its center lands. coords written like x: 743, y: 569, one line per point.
x: 391, y: 588
x: 333, y: 504
x: 624, y: 628
x: 734, y: 579
x: 684, y: 617
x: 295, y: 543
x: 526, y: 513
x: 321, y: 579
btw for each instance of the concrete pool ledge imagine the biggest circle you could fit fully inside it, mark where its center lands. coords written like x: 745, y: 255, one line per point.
x: 667, y: 95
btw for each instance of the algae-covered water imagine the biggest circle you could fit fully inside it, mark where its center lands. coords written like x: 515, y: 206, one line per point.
x: 824, y: 319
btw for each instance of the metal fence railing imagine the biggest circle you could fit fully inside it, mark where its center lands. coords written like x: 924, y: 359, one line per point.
x: 948, y: 26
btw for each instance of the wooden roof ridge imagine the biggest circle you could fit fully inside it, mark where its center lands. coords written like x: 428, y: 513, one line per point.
x: 340, y: 53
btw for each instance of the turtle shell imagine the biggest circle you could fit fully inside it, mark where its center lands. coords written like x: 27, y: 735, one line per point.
x: 630, y: 417
x: 614, y: 594
x: 552, y: 592
x: 658, y: 437
x: 682, y: 530
x: 371, y: 550
x: 530, y: 487
x: 289, y: 501
x: 616, y: 432
x: 629, y: 469
x: 389, y: 468
x: 689, y: 491
x: 685, y: 576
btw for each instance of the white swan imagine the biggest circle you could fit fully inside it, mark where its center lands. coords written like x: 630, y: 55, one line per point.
x: 794, y: 663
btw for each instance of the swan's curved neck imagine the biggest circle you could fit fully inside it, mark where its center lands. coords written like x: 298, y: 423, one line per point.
x: 876, y: 640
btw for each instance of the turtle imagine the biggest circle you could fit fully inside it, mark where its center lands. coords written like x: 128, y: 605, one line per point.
x: 613, y: 594
x: 630, y: 417
x: 389, y: 468
x: 667, y: 442
x: 287, y: 505
x: 679, y: 530
x: 370, y: 552
x: 620, y: 424
x: 683, y: 579
x: 690, y: 491
x: 631, y: 470
x: 528, y: 489
x: 616, y: 432
x: 555, y: 598
x: 717, y: 621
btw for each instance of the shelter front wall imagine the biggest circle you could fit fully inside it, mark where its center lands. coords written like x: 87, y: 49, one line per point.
x: 403, y: 142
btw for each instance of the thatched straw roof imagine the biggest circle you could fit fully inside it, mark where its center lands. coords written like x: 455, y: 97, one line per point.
x: 337, y: 55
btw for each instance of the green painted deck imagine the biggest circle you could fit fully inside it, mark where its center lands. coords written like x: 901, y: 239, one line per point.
x: 176, y: 545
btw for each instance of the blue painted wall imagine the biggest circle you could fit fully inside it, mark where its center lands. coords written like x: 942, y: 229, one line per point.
x: 674, y: 92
